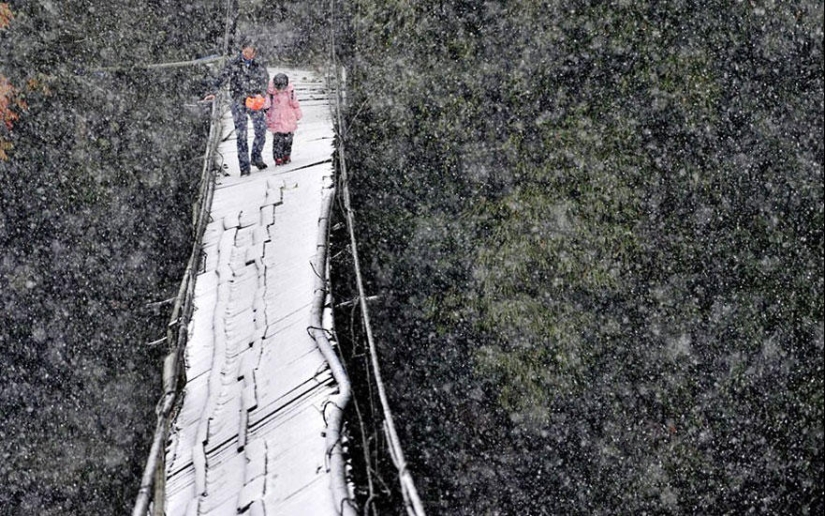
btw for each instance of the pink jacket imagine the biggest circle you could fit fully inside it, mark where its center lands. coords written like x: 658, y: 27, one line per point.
x: 283, y: 109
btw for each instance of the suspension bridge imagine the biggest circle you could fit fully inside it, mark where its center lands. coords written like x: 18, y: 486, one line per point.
x: 250, y: 421
x: 254, y: 427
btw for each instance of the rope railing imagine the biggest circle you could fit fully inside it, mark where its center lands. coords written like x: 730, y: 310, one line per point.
x: 334, y: 408
x: 412, y: 501
x: 152, y: 483
x: 158, y: 66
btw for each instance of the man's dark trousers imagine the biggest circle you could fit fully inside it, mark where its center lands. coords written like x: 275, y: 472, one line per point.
x: 239, y: 114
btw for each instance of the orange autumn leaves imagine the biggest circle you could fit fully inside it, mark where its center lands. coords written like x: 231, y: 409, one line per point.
x: 10, y: 103
x: 12, y: 98
x: 9, y: 100
x: 5, y: 15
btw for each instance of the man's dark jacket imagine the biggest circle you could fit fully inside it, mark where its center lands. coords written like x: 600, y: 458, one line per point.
x: 246, y: 78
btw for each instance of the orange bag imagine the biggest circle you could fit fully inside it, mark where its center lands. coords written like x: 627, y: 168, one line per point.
x: 255, y: 103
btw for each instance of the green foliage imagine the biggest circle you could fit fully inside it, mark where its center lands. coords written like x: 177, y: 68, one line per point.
x: 597, y: 228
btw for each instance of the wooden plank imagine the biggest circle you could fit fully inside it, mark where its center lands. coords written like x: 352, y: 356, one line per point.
x: 250, y: 429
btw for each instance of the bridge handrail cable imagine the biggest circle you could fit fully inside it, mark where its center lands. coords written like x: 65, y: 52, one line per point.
x: 152, y: 484
x: 412, y: 501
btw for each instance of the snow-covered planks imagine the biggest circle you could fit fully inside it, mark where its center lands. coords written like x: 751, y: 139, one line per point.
x: 249, y: 435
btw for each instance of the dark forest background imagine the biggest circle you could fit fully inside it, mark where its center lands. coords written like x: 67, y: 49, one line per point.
x: 595, y: 230
x: 95, y: 224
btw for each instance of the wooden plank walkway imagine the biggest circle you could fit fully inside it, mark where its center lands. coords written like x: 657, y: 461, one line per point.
x: 249, y: 437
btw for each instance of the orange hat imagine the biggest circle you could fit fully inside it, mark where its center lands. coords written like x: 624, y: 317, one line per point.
x: 255, y: 103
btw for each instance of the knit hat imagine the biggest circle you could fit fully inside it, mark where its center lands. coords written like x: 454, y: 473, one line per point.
x: 280, y: 81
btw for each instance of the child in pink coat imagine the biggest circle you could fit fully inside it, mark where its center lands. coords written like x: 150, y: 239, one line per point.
x: 282, y: 115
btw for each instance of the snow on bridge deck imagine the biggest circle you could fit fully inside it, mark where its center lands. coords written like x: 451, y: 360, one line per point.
x: 249, y: 435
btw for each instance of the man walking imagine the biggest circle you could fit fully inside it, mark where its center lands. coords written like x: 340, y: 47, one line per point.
x: 248, y: 80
